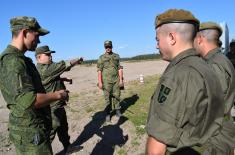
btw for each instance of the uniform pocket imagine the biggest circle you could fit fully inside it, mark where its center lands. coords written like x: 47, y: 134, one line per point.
x: 27, y: 136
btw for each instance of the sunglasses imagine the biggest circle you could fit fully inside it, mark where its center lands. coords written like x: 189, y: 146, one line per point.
x: 108, y: 47
x: 47, y: 54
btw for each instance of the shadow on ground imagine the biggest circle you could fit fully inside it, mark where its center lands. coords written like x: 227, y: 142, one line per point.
x: 111, y: 135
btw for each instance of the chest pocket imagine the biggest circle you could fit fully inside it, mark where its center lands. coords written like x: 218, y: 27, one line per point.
x: 106, y: 61
x: 114, y: 61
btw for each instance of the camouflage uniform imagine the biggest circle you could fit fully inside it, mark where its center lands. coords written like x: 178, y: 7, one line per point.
x: 109, y: 65
x: 50, y: 75
x: 20, y: 82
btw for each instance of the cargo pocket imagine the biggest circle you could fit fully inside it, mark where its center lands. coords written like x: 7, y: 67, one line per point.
x: 33, y: 137
x: 15, y: 137
x: 27, y: 136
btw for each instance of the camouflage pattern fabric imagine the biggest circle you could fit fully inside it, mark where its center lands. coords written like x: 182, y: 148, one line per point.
x: 109, y: 65
x: 185, y: 109
x: 20, y: 81
x: 50, y: 75
x: 25, y: 22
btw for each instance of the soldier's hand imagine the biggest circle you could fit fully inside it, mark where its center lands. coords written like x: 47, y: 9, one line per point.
x: 100, y: 85
x: 80, y: 60
x: 64, y: 95
x: 76, y: 61
x: 121, y: 85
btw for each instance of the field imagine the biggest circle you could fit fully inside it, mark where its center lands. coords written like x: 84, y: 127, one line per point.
x: 86, y: 117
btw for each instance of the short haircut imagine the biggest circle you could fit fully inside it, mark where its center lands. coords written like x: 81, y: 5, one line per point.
x: 211, y: 35
x: 186, y: 31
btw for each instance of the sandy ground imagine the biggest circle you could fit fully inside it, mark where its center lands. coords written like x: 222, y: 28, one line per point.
x: 83, y: 126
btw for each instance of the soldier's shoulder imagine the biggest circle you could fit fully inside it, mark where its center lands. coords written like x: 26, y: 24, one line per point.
x: 102, y: 56
x: 115, y: 54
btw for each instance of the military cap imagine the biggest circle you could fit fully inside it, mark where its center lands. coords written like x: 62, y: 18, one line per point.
x: 43, y: 50
x: 108, y: 43
x: 176, y: 16
x: 232, y: 42
x: 21, y: 22
x: 210, y: 25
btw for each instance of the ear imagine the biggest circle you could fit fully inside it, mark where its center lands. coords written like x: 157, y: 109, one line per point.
x: 38, y: 56
x: 172, y: 38
x: 199, y: 39
x: 25, y: 32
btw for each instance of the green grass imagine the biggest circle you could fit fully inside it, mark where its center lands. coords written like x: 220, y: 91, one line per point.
x: 122, y: 152
x: 135, y: 101
x: 137, y: 97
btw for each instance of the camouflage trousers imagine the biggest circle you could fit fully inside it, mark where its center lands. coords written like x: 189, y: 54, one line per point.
x: 112, y: 96
x: 59, y: 125
x: 30, y: 141
x: 41, y: 149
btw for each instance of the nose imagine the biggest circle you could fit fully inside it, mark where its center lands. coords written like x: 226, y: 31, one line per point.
x: 157, y: 46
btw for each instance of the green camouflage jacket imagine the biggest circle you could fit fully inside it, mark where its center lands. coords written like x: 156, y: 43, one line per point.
x: 20, y: 81
x: 109, y: 64
x: 50, y: 75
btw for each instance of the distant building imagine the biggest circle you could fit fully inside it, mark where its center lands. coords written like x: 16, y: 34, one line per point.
x: 224, y: 38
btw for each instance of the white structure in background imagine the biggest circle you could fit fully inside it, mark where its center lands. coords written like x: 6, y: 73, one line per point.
x: 141, y: 78
x: 224, y: 38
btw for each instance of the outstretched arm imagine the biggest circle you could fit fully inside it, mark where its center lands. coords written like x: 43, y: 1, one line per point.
x: 76, y: 61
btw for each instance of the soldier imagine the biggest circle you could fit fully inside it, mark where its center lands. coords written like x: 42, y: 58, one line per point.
x: 231, y: 53
x: 207, y: 44
x: 50, y: 74
x: 110, y: 78
x: 21, y: 87
x: 185, y: 109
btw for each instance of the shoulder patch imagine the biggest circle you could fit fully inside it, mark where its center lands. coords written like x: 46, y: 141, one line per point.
x: 163, y: 93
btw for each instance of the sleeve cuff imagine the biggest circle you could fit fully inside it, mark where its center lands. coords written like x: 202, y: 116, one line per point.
x: 163, y: 131
x: 120, y: 67
x: 26, y: 100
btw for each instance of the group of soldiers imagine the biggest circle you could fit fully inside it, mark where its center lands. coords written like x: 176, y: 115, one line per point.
x: 189, y: 111
x: 190, y: 108
x: 36, y: 95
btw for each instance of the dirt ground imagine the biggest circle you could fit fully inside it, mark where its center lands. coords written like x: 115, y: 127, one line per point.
x: 85, y: 127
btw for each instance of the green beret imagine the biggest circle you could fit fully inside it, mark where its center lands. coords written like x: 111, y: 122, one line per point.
x: 176, y: 16
x: 43, y: 50
x: 210, y: 25
x: 108, y: 43
x: 24, y: 22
